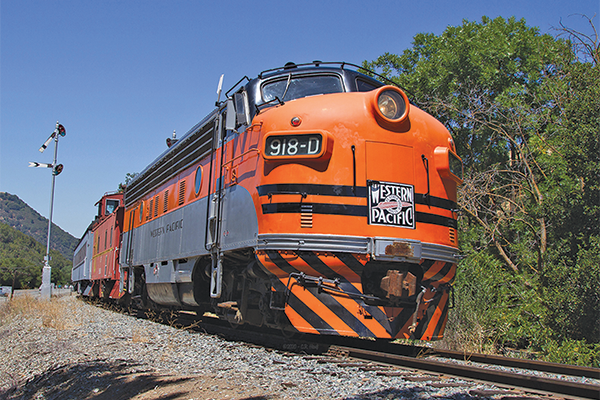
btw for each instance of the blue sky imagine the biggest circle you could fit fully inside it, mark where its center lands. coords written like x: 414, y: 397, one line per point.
x: 121, y: 75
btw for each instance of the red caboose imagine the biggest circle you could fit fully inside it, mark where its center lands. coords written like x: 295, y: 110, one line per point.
x: 107, y: 229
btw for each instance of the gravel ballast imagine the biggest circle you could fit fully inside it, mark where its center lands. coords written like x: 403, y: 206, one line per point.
x: 69, y: 349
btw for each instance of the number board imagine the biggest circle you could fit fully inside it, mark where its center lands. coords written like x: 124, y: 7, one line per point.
x: 293, y: 145
x: 391, y: 204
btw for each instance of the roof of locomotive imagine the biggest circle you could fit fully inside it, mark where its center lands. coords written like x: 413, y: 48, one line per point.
x: 347, y: 72
x: 343, y: 68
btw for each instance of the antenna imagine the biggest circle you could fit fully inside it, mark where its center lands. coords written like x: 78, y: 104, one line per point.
x: 219, y: 88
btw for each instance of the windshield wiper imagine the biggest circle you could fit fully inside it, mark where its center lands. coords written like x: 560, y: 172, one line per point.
x: 287, y: 86
x: 266, y: 103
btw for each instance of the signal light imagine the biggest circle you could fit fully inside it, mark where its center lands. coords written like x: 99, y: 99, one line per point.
x: 57, y: 170
x: 61, y: 130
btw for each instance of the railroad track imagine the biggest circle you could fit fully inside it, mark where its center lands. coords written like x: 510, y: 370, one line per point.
x: 385, y: 355
x: 511, y: 379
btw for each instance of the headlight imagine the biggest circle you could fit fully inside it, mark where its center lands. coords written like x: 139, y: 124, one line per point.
x: 391, y: 104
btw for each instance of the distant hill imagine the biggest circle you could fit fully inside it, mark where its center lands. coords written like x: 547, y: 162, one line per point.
x: 22, y: 259
x: 17, y: 214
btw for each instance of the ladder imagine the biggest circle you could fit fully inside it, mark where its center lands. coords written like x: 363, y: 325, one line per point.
x: 215, y: 208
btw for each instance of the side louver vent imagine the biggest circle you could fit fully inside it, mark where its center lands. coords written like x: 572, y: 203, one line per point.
x: 306, y: 216
x: 181, y: 192
x: 166, y: 202
x: 452, y: 235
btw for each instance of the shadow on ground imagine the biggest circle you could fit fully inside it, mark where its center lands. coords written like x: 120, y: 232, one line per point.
x: 93, y: 380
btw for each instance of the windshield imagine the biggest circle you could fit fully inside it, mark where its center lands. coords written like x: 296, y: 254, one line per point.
x: 295, y: 87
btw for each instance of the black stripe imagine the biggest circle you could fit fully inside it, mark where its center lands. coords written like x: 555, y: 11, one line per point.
x: 303, y: 310
x: 341, y: 312
x: 398, y: 323
x: 315, y: 262
x: 317, y: 208
x: 433, y: 201
x: 441, y: 273
x: 280, y: 262
x: 356, y: 266
x: 350, y: 210
x: 344, y: 191
x: 312, y: 189
x: 434, y: 219
x: 444, y: 317
x: 425, y: 265
x: 424, y: 323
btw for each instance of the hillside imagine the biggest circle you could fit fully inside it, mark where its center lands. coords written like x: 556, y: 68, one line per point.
x: 17, y: 214
x: 23, y: 255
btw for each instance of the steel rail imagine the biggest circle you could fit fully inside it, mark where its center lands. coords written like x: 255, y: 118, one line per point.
x: 421, y: 351
x: 544, y: 366
x: 545, y: 385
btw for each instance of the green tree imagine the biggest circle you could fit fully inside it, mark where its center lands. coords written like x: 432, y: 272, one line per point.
x: 128, y: 178
x: 21, y: 260
x: 572, y: 276
x: 483, y: 81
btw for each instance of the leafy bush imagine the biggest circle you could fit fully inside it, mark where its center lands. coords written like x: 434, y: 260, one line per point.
x: 494, y: 308
x: 572, y: 295
x: 576, y: 352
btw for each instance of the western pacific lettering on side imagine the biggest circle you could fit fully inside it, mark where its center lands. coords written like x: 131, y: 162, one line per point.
x: 170, y: 227
x: 173, y: 226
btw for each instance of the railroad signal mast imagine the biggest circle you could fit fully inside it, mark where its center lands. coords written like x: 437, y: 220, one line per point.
x: 59, y: 130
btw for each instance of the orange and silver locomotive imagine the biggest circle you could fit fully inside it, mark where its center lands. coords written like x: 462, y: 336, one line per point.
x: 314, y: 199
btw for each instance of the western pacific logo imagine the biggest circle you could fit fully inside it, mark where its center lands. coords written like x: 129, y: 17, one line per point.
x: 391, y: 204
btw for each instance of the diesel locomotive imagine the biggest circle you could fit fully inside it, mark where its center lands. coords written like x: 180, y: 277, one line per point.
x: 314, y: 198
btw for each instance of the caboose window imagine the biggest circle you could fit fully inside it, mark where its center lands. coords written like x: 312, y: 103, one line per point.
x: 111, y: 206
x: 295, y: 87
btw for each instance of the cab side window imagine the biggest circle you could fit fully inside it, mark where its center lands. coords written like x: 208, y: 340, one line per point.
x: 365, y: 86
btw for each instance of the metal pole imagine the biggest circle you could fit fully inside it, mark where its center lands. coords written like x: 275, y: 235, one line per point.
x: 46, y: 288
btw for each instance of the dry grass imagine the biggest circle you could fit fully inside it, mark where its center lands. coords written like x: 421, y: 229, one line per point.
x: 55, y: 313
x: 138, y: 336
x: 468, y: 336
